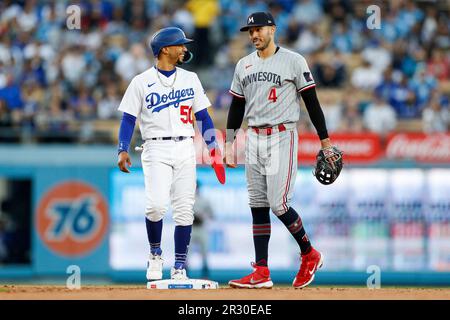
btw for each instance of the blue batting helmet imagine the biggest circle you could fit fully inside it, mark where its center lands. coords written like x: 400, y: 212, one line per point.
x: 170, y: 36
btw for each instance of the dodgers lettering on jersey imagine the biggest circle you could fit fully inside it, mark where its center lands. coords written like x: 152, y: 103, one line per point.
x: 271, y: 86
x: 164, y: 111
x: 157, y: 102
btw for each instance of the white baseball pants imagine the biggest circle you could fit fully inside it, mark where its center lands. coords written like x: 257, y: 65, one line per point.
x: 170, y: 177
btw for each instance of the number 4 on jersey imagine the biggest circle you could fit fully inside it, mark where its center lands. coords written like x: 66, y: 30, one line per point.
x: 273, y: 95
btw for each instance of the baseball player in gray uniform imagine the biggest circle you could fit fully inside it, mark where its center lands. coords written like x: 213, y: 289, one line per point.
x: 266, y: 90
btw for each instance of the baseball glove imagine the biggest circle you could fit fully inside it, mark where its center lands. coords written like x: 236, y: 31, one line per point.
x: 329, y: 165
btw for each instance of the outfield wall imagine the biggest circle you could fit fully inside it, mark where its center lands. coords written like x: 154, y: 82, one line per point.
x: 85, y: 212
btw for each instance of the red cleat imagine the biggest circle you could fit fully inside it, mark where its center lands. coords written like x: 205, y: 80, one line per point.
x: 310, y: 263
x: 258, y: 279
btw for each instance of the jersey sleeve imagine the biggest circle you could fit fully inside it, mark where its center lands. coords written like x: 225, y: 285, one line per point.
x: 236, y: 86
x: 303, y: 78
x: 132, y: 99
x: 201, y: 100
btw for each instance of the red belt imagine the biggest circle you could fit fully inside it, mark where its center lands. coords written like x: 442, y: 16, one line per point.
x: 269, y: 130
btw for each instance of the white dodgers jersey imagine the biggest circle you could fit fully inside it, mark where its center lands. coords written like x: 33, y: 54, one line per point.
x: 164, y: 105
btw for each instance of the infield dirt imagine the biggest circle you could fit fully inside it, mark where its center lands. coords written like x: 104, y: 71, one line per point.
x: 134, y: 292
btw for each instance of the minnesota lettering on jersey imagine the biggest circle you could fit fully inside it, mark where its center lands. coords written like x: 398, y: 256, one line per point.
x: 261, y: 76
x: 159, y: 102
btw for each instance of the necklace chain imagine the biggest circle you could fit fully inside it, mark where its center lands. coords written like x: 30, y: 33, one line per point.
x: 162, y: 82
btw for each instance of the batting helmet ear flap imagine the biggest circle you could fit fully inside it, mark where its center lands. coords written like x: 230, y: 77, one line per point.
x: 188, y: 57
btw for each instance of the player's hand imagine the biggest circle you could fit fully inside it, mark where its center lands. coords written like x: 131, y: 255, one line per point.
x: 228, y: 159
x: 327, y: 145
x: 124, y: 161
x: 217, y: 164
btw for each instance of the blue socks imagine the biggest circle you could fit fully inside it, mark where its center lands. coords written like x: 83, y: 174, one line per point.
x: 182, y: 239
x: 154, y: 233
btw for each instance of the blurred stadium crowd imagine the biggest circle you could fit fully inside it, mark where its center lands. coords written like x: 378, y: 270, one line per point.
x: 61, y: 85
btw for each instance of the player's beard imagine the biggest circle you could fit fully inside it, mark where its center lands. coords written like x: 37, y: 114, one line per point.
x: 265, y: 40
x: 178, y: 59
x: 264, y: 45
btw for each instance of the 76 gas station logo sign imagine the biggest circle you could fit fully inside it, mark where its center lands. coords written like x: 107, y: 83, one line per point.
x: 72, y: 218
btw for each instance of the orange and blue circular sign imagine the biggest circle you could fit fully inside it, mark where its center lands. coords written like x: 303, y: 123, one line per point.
x: 72, y: 218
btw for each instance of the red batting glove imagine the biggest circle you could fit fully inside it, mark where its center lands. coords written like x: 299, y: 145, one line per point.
x: 216, y: 163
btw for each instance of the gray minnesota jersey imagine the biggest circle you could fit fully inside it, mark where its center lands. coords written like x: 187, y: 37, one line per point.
x: 271, y: 86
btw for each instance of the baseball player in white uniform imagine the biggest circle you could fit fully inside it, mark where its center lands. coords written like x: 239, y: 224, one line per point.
x: 266, y: 90
x: 163, y: 98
